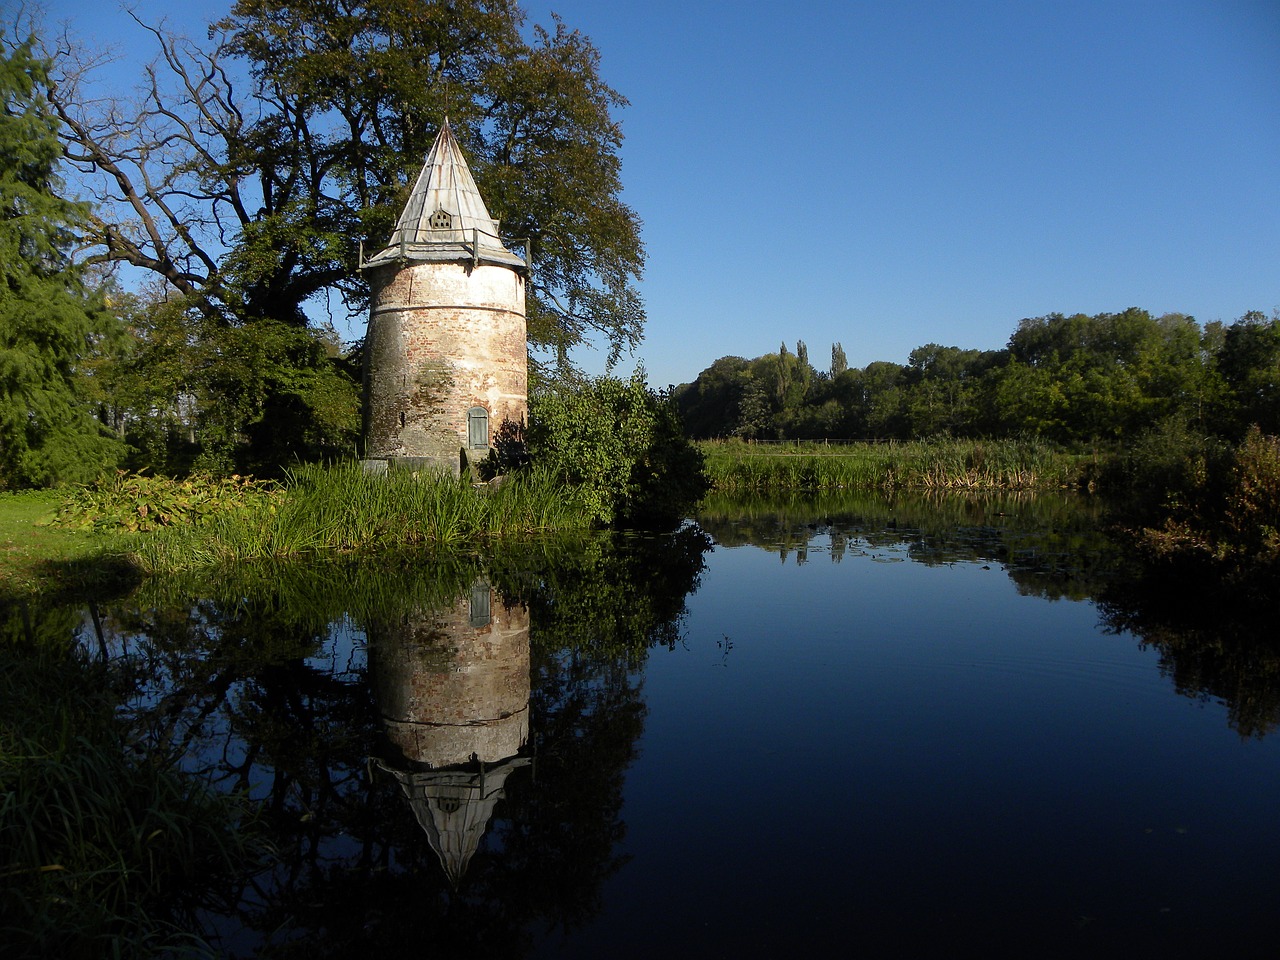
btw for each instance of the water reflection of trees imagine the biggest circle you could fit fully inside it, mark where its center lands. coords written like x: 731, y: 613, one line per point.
x: 260, y: 687
x: 1209, y: 652
x: 1051, y: 546
x: 105, y: 848
x: 259, y: 683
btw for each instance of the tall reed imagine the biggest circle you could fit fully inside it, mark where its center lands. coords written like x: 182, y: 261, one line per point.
x: 1021, y: 464
x: 343, y: 508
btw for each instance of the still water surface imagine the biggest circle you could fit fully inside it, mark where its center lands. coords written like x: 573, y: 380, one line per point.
x: 871, y: 728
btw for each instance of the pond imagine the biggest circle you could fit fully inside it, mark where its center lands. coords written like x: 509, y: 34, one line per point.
x: 900, y: 727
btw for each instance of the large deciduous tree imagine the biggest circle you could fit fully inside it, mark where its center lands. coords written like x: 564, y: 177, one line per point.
x: 250, y: 168
x: 255, y: 195
x: 49, y: 321
x: 1249, y: 361
x: 1103, y: 377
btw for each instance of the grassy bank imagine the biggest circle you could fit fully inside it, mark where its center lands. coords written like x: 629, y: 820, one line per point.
x: 131, y: 525
x: 128, y: 527
x: 343, y: 509
x: 740, y: 467
x: 37, y: 556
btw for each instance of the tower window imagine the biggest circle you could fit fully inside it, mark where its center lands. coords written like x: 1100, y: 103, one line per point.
x: 481, y: 614
x: 440, y: 220
x: 477, y: 427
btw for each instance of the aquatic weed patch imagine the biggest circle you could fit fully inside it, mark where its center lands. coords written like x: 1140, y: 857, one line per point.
x: 138, y: 502
x: 107, y: 851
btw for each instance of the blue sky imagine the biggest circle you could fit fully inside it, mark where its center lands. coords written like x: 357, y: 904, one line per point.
x: 890, y: 174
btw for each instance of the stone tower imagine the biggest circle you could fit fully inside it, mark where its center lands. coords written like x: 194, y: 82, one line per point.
x: 446, y: 359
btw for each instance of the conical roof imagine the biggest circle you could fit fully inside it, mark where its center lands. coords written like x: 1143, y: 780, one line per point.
x: 454, y: 806
x: 446, y: 218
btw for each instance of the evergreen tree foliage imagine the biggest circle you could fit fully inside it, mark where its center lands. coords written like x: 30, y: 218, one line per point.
x: 49, y: 321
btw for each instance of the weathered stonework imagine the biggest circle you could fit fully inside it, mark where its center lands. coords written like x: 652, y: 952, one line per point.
x: 446, y: 353
x: 443, y: 339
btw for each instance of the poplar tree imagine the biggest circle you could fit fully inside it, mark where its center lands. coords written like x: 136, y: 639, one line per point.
x: 48, y: 320
x: 839, y: 362
x: 804, y: 372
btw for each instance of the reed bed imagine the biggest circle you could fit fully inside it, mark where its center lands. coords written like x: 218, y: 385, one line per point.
x: 953, y: 465
x: 343, y: 508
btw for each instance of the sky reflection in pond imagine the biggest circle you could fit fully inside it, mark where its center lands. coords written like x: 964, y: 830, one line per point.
x: 908, y: 758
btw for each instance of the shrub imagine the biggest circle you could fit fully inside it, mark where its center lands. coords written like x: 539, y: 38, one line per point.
x: 1253, y: 511
x: 1201, y: 509
x: 620, y: 447
x: 1169, y: 470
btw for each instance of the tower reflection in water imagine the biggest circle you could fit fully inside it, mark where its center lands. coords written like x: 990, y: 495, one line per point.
x: 452, y: 686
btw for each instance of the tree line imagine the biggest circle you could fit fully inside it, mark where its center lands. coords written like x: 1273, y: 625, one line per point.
x: 1075, y: 379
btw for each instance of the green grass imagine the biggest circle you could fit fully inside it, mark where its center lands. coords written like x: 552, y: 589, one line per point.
x: 735, y: 466
x: 320, y: 511
x: 343, y: 509
x: 36, y: 556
